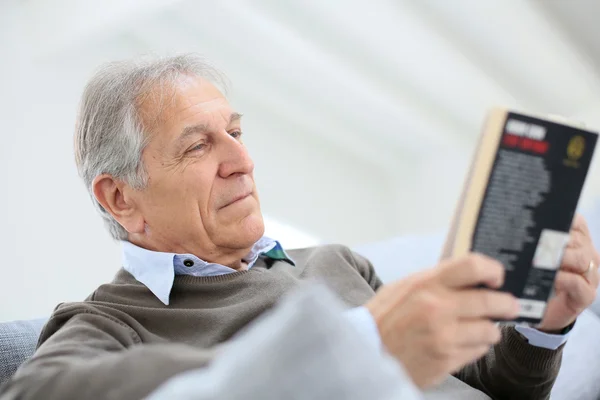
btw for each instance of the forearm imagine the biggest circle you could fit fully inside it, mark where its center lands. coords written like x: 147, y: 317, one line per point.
x: 514, y: 369
x: 129, y: 374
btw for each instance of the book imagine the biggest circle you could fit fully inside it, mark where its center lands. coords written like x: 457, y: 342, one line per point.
x: 519, y: 199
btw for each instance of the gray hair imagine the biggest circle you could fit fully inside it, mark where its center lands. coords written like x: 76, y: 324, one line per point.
x: 111, y: 134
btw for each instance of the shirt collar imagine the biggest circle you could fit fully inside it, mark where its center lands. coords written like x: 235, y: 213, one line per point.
x: 157, y: 270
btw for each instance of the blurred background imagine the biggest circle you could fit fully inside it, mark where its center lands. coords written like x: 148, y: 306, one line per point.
x: 361, y: 116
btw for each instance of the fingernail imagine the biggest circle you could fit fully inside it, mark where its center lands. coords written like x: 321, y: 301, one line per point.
x: 516, y: 306
x: 497, y: 335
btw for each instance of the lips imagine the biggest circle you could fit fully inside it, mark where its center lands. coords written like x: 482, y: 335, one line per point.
x: 237, y: 198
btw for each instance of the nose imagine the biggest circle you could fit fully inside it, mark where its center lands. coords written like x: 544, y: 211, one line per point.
x: 234, y: 158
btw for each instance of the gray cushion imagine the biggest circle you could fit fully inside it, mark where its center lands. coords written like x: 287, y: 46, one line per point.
x: 18, y: 340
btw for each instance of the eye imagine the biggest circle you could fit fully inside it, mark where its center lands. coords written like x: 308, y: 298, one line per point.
x: 235, y: 134
x: 199, y: 146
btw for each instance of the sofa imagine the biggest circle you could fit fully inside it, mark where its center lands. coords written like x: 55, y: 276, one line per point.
x: 18, y: 340
x: 393, y: 259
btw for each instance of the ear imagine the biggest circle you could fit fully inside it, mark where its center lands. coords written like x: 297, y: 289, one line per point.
x: 111, y: 194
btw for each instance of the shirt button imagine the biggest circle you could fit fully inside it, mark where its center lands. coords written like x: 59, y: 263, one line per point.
x: 188, y: 263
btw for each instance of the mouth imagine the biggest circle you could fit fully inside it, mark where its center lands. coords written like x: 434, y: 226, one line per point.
x: 238, y: 199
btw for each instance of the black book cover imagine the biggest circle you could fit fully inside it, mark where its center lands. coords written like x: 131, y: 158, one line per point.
x: 532, y: 193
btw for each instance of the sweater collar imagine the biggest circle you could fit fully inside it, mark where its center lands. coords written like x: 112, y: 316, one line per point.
x: 157, y: 270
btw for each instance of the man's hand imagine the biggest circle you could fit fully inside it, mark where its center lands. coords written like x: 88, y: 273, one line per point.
x: 435, y: 322
x: 576, y: 281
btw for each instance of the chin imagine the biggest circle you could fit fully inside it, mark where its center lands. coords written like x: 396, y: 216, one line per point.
x: 253, y: 227
x: 243, y: 233
x: 239, y: 231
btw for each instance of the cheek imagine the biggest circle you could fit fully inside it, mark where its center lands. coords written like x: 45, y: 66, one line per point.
x: 255, y: 195
x: 199, y: 192
x: 183, y: 191
x: 174, y: 194
x: 203, y: 203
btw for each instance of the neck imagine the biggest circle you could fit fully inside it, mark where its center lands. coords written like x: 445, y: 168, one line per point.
x: 238, y: 265
x: 232, y: 258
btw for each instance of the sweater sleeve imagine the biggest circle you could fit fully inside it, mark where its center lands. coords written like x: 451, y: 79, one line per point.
x: 97, y: 357
x: 366, y: 269
x: 514, y: 369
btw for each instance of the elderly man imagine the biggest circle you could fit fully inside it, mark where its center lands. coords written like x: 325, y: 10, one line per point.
x: 161, y: 152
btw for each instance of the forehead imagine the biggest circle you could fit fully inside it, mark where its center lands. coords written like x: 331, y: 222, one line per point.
x: 190, y: 100
x: 193, y: 91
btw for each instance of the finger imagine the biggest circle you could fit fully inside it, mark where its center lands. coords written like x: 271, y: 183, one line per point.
x: 580, y: 225
x: 577, y: 260
x: 577, y: 240
x: 579, y: 292
x: 472, y: 270
x: 474, y: 333
x: 482, y: 303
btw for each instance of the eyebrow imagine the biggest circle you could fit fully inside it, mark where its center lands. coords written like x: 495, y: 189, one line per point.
x: 235, y: 116
x: 202, y: 128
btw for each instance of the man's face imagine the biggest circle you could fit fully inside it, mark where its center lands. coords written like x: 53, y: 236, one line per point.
x: 201, y: 197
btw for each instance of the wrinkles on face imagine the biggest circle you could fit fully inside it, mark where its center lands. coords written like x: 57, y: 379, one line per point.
x: 197, y: 170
